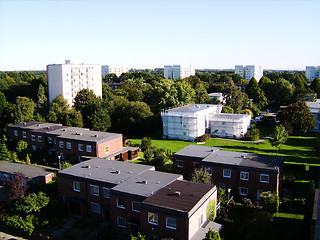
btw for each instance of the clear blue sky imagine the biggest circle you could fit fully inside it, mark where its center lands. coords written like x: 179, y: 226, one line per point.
x: 152, y: 33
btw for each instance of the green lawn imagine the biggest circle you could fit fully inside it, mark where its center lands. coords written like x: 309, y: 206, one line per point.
x: 289, y: 215
x: 297, y: 150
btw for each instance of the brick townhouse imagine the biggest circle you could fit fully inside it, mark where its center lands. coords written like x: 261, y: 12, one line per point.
x: 71, y: 143
x: 247, y: 174
x: 128, y: 195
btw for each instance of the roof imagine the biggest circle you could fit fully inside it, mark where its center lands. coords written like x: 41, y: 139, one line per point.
x: 123, y: 150
x: 196, y: 151
x: 228, y: 117
x: 202, y: 232
x: 84, y: 134
x: 30, y: 171
x: 103, y: 170
x: 180, y: 196
x: 25, y: 124
x: 191, y: 108
x: 313, y: 104
x: 146, y: 183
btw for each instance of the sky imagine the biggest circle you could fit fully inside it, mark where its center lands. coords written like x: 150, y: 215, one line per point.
x: 216, y: 34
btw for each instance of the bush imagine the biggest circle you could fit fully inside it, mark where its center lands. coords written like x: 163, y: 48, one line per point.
x: 211, y: 211
x: 253, y: 133
x: 295, y: 206
x: 270, y: 202
x: 17, y: 223
x: 203, y: 138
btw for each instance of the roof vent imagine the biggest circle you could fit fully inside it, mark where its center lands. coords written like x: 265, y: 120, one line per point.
x: 38, y: 125
x: 177, y: 193
x: 78, y: 133
x: 144, y: 182
x: 64, y: 129
x: 85, y: 166
x: 116, y: 172
x: 24, y: 123
x: 98, y: 166
x: 96, y: 135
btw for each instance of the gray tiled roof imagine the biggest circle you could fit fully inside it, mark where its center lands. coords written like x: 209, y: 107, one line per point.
x: 196, y: 151
x: 104, y: 170
x: 146, y: 183
x: 30, y: 171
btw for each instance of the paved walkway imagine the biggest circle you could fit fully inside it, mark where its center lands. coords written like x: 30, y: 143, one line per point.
x: 5, y: 236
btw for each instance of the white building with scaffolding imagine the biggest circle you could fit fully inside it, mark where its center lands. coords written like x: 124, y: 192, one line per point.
x: 194, y: 120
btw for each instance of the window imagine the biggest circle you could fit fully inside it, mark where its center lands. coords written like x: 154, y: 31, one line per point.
x: 88, y: 148
x: 76, y: 186
x: 121, y: 222
x: 244, y: 175
x: 39, y: 138
x: 201, y: 220
x: 24, y: 134
x: 68, y: 145
x: 179, y: 163
x: 49, y: 139
x: 95, y: 207
x: 264, y: 178
x: 171, y: 223
x: 106, y: 192
x: 121, y: 203
x: 80, y: 147
x: 227, y: 173
x: 153, y: 218
x: 15, y: 133
x: 208, y: 170
x: 94, y: 190
x: 61, y: 145
x: 243, y: 191
x: 33, y: 137
x: 135, y: 206
x: 107, y: 150
x: 34, y: 148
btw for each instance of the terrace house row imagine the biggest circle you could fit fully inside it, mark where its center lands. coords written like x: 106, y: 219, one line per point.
x: 136, y: 198
x: 71, y: 143
x: 247, y: 174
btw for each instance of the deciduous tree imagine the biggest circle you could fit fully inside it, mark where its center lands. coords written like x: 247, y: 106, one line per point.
x: 280, y: 137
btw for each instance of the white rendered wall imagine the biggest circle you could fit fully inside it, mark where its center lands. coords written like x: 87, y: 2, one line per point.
x: 178, y: 71
x: 312, y: 72
x: 55, y: 85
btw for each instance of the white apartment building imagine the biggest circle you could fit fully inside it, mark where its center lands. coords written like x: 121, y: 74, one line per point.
x: 68, y: 79
x: 315, y: 109
x: 217, y: 96
x: 249, y: 71
x: 117, y: 70
x: 312, y: 72
x: 178, y: 71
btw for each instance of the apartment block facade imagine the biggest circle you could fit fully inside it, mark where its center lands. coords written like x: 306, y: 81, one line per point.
x: 68, y: 79
x: 127, y: 194
x: 315, y: 110
x: 117, y: 70
x: 246, y: 174
x: 312, y: 72
x: 178, y: 71
x: 249, y: 71
x: 71, y: 143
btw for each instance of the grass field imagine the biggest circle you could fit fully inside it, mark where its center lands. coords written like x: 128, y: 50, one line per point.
x: 297, y: 150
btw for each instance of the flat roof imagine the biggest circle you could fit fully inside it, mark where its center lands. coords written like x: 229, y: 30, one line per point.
x: 30, y: 171
x: 313, y: 104
x: 196, y: 151
x: 191, y: 108
x: 179, y: 195
x: 103, y: 170
x: 84, y: 134
x: 228, y: 117
x: 146, y: 183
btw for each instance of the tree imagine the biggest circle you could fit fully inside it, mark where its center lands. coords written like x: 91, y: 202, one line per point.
x: 201, y: 94
x: 227, y: 109
x: 4, y: 152
x: 58, y: 110
x: 234, y: 98
x: 247, y: 111
x: 28, y: 161
x: 32, y: 203
x: 100, y: 120
x: 298, y: 118
x: 22, y: 148
x: 201, y: 176
x: 23, y: 110
x: 280, y: 137
x: 138, y: 237
x: 3, y: 104
x: 145, y: 143
x: 16, y: 185
x: 211, y: 210
x: 65, y: 164
x: 315, y: 86
x: 253, y: 134
x: 270, y: 202
x: 148, y: 155
x: 212, y: 235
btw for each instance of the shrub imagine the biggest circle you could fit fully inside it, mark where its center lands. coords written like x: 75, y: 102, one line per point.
x: 17, y: 223
x: 253, y: 133
x: 270, y: 202
x: 211, y: 210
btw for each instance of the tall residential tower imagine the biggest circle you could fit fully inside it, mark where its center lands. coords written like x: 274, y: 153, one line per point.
x: 312, y: 72
x: 178, y: 71
x: 249, y: 71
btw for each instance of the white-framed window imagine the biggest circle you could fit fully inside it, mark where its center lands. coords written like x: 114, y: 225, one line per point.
x: 76, y: 186
x: 227, y: 173
x: 208, y: 170
x: 243, y: 191
x: 135, y: 206
x: 106, y: 192
x: 152, y: 218
x: 68, y: 145
x: 264, y: 178
x: 121, y: 222
x: 15, y: 133
x: 201, y: 220
x: 94, y: 190
x: 33, y: 137
x: 39, y: 138
x: 61, y: 144
x: 244, y: 176
x: 49, y: 139
x: 171, y: 223
x: 95, y: 207
x: 80, y: 147
x: 121, y: 203
x: 107, y: 149
x: 88, y: 148
x: 179, y: 163
x: 34, y: 148
x: 24, y: 134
